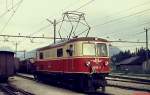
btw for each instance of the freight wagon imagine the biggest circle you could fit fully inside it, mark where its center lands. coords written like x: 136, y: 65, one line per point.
x: 7, y: 67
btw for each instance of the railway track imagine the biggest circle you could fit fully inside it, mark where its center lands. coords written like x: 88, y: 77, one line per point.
x: 129, y: 83
x: 130, y: 78
x: 112, y: 83
x: 12, y: 90
x: 127, y: 80
x: 88, y: 93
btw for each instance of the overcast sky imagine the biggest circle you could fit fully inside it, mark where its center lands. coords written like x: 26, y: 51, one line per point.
x: 111, y: 19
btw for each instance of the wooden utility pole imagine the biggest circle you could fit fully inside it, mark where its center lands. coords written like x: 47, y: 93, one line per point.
x: 147, y: 58
x: 16, y: 47
x: 54, y: 31
x: 54, y: 24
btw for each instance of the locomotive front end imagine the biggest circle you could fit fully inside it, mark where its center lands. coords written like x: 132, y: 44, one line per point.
x: 96, y: 63
x: 97, y: 60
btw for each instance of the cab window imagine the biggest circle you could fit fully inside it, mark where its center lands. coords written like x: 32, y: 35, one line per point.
x: 89, y: 49
x: 102, y: 49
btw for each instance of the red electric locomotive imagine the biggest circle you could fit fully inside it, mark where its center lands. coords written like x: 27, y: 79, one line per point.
x: 81, y: 62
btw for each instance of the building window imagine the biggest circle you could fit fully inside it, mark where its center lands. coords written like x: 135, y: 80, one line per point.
x: 59, y: 52
x: 41, y: 55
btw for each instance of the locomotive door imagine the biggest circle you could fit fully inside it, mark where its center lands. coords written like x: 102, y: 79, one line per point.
x: 70, y: 53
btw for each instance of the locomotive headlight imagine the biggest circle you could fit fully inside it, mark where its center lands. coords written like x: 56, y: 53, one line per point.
x: 106, y: 63
x: 88, y: 63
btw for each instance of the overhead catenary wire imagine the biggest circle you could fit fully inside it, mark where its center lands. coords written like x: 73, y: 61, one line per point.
x: 2, y: 30
x: 87, y: 3
x: 132, y: 26
x: 135, y: 34
x: 9, y: 9
x: 117, y: 19
x: 12, y: 2
x: 62, y: 21
x: 121, y: 12
x: 22, y: 36
x: 39, y: 30
x: 67, y: 7
x: 10, y: 18
x: 128, y: 36
x: 112, y: 41
x: 128, y: 45
x: 120, y: 31
x: 123, y: 41
x: 6, y: 5
x: 128, y: 9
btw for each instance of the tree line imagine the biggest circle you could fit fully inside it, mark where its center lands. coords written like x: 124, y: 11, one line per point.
x: 127, y: 54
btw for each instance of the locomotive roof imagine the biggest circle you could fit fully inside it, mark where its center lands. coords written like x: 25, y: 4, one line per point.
x: 73, y: 40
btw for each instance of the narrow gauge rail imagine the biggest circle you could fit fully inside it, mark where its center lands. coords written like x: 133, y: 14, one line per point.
x: 107, y: 78
x: 128, y: 88
x: 111, y: 85
x: 127, y: 80
x: 90, y: 93
x: 12, y: 90
x: 130, y: 78
x: 119, y: 83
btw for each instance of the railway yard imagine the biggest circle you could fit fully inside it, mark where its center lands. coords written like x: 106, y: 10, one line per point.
x: 74, y: 47
x: 116, y: 86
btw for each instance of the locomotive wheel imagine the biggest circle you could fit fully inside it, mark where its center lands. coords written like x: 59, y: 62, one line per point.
x: 4, y: 79
x: 86, y: 85
x: 103, y: 88
x: 37, y: 77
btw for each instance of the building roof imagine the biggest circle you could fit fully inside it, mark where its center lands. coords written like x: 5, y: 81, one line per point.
x: 130, y: 61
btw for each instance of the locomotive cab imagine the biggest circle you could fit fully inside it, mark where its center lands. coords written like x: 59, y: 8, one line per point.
x: 97, y: 57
